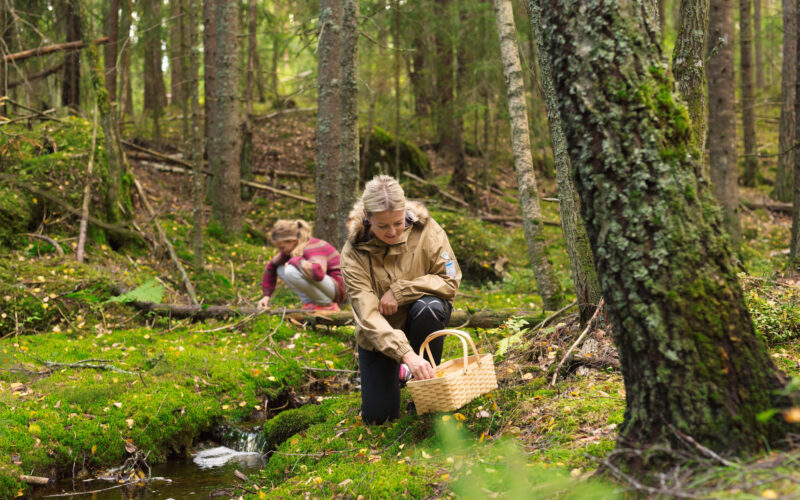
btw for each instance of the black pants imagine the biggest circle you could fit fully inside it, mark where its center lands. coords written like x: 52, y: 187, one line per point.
x: 380, y: 386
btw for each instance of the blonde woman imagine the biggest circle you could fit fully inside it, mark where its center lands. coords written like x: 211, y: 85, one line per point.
x: 401, y: 276
x: 309, y: 266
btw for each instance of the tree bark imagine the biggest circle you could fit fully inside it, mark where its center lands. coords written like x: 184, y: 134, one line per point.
x: 721, y: 116
x: 750, y: 174
x: 125, y: 90
x: 581, y: 258
x: 155, y: 93
x: 546, y: 279
x: 757, y: 44
x: 786, y: 151
x: 691, y: 360
x: 111, y: 48
x: 326, y: 225
x: 198, y: 178
x: 177, y: 58
x: 348, y: 112
x: 689, y: 65
x: 71, y: 86
x: 794, y: 247
x: 210, y: 83
x: 4, y: 25
x: 247, y: 122
x: 226, y: 194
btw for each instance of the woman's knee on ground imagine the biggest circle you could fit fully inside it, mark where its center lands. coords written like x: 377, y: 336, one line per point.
x: 429, y: 310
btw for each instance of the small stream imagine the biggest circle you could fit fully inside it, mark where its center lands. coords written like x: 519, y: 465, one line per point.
x: 206, y: 474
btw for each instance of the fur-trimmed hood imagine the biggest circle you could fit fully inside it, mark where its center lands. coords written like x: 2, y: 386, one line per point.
x: 416, y: 213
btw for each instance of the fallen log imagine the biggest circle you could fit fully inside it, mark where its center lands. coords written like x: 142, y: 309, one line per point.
x: 38, y: 480
x: 772, y: 206
x: 459, y: 318
x: 439, y: 190
x: 47, y: 49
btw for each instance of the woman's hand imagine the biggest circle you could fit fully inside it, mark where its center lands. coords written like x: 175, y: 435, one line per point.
x: 388, y: 304
x: 264, y: 302
x: 420, y: 368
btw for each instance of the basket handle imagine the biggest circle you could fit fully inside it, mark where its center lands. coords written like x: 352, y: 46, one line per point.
x: 463, y: 336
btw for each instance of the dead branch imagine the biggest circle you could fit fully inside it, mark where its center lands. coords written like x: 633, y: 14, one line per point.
x: 478, y: 319
x: 439, y: 190
x: 38, y: 480
x: 188, y: 168
x: 48, y: 49
x: 87, y: 193
x: 262, y: 118
x: 186, y: 282
x: 336, y: 370
x: 38, y: 76
x: 578, y: 341
x: 88, y: 365
x: 53, y: 242
x: 40, y: 115
x: 514, y: 218
x: 772, y: 206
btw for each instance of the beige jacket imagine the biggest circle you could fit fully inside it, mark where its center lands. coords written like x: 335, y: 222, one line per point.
x: 421, y: 263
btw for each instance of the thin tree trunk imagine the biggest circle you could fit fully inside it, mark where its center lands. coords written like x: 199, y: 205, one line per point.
x: 247, y: 122
x: 348, y: 112
x: 326, y: 225
x: 26, y: 83
x: 397, y: 94
x: 3, y: 64
x: 757, y: 44
x: 794, y: 247
x: 210, y: 83
x: 125, y: 89
x: 277, y: 48
x: 689, y: 65
x: 721, y: 116
x: 176, y: 55
x: 784, y: 178
x: 71, y: 87
x: 581, y: 258
x: 225, y: 200
x: 112, y: 48
x: 198, y: 178
x: 87, y: 193
x: 664, y: 262
x: 750, y: 174
x: 546, y: 279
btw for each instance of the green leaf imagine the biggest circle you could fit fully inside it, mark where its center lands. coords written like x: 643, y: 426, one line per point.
x: 766, y: 415
x: 150, y: 291
x: 507, y: 342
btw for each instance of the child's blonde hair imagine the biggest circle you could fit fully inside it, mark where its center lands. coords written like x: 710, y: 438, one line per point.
x: 297, y: 229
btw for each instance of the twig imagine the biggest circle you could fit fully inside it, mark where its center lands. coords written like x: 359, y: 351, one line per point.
x: 82, y: 364
x: 273, y: 330
x: 556, y: 314
x: 438, y: 189
x: 577, y: 342
x: 337, y: 370
x: 75, y: 493
x: 87, y: 193
x: 704, y: 450
x: 229, y: 327
x: 53, y: 242
x: 170, y: 248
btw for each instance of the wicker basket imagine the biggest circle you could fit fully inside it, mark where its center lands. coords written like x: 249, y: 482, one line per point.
x: 457, y: 381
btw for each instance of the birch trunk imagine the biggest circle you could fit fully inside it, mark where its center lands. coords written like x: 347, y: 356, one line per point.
x: 546, y: 279
x: 581, y: 258
x: 691, y: 359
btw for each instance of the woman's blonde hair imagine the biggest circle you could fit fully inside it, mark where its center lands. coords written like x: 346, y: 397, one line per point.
x: 297, y: 229
x: 383, y: 193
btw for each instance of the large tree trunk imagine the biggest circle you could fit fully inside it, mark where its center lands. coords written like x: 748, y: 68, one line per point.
x: 198, y: 179
x: 689, y: 65
x: 71, y: 86
x: 786, y: 151
x: 748, y: 94
x: 326, y: 224
x: 111, y: 48
x: 448, y: 138
x: 546, y: 279
x: 721, y: 115
x: 581, y: 258
x: 177, y: 59
x: 226, y: 195
x: 210, y: 82
x: 348, y: 102
x: 155, y: 93
x: 125, y: 90
x: 691, y: 360
x: 757, y: 44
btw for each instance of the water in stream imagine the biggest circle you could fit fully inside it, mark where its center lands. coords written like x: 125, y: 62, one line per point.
x: 197, y: 477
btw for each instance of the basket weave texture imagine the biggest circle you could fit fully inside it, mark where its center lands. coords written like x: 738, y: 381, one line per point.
x: 457, y: 382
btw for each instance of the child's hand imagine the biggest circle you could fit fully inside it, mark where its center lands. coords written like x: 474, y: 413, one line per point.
x: 263, y: 303
x: 306, y: 267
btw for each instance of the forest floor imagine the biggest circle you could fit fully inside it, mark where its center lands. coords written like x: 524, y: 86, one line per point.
x: 88, y: 383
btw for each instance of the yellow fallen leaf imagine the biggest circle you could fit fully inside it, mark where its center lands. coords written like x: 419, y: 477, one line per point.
x: 425, y: 455
x: 769, y: 494
x: 242, y: 403
x: 317, y: 480
x: 34, y: 429
x: 445, y: 477
x: 792, y: 415
x: 459, y: 416
x: 94, y: 448
x: 445, y: 418
x: 129, y: 421
x: 225, y: 407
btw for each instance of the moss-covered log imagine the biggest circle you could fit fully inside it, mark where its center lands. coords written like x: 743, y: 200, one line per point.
x: 474, y: 319
x: 379, y: 158
x: 690, y: 357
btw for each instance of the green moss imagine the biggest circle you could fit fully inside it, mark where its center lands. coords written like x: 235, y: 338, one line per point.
x: 16, y: 214
x: 380, y: 158
x: 290, y: 422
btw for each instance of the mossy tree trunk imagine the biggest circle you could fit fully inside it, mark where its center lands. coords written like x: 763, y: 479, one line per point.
x: 326, y: 225
x: 581, y: 258
x: 117, y: 187
x: 225, y: 198
x: 748, y: 93
x: 721, y: 115
x: 691, y: 360
x: 794, y: 248
x: 348, y: 174
x: 689, y: 64
x: 786, y: 153
x: 546, y: 279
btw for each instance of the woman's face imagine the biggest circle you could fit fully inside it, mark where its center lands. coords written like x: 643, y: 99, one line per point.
x: 286, y: 246
x: 388, y: 225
